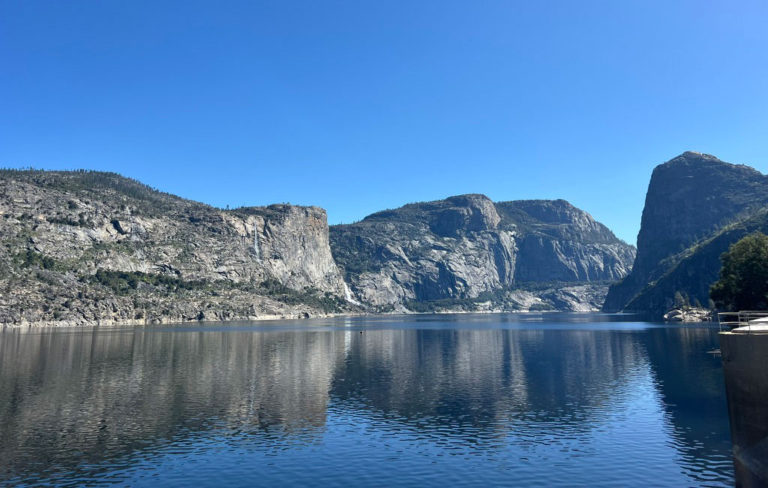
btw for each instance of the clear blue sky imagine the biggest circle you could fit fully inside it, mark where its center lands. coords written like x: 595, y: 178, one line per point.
x: 357, y: 106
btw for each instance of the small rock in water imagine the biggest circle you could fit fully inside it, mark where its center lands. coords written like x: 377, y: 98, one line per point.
x: 692, y: 314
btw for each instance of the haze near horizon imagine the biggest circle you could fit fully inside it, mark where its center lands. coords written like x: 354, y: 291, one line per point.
x: 358, y: 107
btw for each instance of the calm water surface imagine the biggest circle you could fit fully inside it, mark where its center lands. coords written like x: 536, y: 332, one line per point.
x: 458, y: 400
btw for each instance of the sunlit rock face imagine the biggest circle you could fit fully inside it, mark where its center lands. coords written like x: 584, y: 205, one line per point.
x: 696, y: 206
x: 468, y: 248
x: 59, y: 228
x: 294, y: 245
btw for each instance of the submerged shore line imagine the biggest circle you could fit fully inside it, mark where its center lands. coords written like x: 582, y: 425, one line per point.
x: 170, y: 321
x: 271, y: 317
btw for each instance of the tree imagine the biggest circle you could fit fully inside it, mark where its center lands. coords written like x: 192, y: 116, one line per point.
x: 743, y: 283
x: 681, y: 301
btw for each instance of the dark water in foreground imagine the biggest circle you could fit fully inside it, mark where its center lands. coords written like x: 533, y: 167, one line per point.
x: 475, y: 400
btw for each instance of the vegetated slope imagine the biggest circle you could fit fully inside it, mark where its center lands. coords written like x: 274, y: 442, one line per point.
x: 696, y: 206
x: 695, y: 269
x: 467, y: 252
x: 78, y: 247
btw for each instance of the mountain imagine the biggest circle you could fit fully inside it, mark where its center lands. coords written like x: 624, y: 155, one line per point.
x: 79, y: 247
x: 467, y: 252
x: 695, y: 208
x: 83, y: 247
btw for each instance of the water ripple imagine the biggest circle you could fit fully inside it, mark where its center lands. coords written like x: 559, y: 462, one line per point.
x: 477, y: 403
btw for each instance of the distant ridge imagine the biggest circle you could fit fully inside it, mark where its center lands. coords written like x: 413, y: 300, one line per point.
x: 468, y: 253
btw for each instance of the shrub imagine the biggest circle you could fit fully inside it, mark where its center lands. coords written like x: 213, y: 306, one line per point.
x: 743, y: 283
x: 30, y: 258
x: 122, y: 282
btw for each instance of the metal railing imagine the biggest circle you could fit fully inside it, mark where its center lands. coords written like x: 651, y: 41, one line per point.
x: 740, y: 319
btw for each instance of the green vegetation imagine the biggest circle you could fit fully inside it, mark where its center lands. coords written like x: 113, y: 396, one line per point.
x: 681, y: 300
x: 743, y: 283
x: 122, y: 282
x: 32, y: 259
x: 431, y: 306
x: 50, y: 271
x: 327, y: 302
x: 81, y: 222
x: 85, y: 183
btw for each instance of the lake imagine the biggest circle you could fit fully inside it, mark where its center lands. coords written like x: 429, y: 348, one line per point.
x: 425, y: 400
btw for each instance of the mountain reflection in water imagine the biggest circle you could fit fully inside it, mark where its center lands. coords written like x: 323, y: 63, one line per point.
x: 428, y: 400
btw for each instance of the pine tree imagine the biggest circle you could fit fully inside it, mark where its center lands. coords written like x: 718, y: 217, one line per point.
x: 743, y: 283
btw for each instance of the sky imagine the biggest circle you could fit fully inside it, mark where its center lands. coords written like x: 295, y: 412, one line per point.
x: 358, y: 106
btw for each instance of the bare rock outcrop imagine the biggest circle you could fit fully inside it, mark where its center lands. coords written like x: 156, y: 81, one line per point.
x: 695, y: 208
x: 96, y: 247
x: 466, y: 250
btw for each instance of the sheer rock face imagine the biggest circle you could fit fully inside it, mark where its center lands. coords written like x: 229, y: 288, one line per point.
x: 292, y: 245
x: 692, y: 201
x: 465, y: 213
x: 467, y: 246
x: 59, y: 228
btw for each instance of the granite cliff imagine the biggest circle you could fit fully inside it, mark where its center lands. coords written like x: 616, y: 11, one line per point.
x: 83, y: 247
x: 89, y: 247
x: 695, y: 208
x: 469, y: 253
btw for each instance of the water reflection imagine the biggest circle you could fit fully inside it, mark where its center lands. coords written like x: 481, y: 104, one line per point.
x: 71, y: 398
x: 690, y: 383
x: 85, y: 404
x: 477, y: 376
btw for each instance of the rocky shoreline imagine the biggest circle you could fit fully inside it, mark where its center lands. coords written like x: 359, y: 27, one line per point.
x: 262, y: 318
x: 169, y: 321
x: 688, y: 315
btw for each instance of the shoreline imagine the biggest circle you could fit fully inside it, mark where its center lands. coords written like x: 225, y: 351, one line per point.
x: 142, y: 322
x: 275, y: 317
